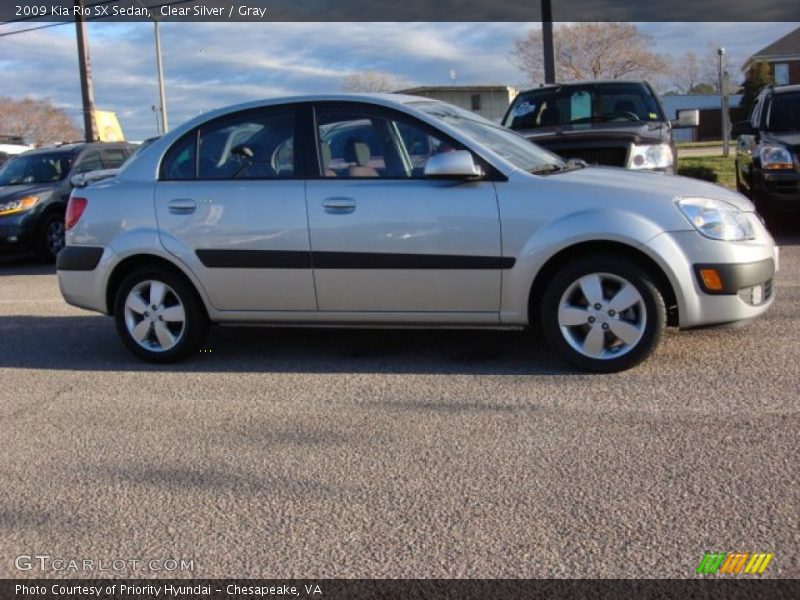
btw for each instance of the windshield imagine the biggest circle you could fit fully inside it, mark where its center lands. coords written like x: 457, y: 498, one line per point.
x: 36, y: 168
x: 511, y: 146
x: 585, y: 104
x: 784, y: 112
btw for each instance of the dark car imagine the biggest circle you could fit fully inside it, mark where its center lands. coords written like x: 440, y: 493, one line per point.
x: 615, y: 123
x: 35, y: 187
x: 768, y: 151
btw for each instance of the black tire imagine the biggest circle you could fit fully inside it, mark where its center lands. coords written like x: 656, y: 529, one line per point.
x: 49, y: 237
x: 179, y: 293
x: 647, y: 316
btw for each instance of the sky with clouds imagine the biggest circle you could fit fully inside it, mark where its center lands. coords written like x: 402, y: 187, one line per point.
x: 209, y: 65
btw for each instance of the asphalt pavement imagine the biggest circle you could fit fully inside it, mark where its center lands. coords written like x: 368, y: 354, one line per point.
x: 353, y: 453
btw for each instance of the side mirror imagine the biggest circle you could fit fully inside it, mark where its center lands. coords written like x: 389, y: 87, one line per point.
x: 687, y: 118
x: 458, y: 164
x: 78, y: 180
x: 743, y: 128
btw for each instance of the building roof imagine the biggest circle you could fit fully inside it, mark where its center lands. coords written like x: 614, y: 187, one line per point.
x: 788, y: 45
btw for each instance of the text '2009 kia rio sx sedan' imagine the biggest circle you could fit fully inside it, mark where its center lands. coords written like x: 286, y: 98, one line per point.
x: 387, y: 210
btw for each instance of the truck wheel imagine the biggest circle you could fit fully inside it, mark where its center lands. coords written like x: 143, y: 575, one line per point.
x: 603, y: 314
x: 159, y: 315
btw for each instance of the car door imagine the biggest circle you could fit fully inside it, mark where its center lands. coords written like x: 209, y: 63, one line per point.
x: 230, y: 204
x: 387, y: 240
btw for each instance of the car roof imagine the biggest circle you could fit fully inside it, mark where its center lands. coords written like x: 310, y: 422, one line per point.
x: 785, y: 89
x: 551, y: 86
x: 75, y: 147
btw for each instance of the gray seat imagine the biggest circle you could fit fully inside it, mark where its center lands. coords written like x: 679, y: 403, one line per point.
x: 358, y: 152
x: 326, y: 156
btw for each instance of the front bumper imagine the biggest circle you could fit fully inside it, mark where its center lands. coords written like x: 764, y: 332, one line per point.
x: 778, y: 191
x: 17, y: 230
x: 745, y: 269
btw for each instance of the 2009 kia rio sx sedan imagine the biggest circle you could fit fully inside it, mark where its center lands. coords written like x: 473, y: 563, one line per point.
x: 387, y: 210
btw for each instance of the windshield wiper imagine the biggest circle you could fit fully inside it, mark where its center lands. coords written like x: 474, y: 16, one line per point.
x: 546, y: 169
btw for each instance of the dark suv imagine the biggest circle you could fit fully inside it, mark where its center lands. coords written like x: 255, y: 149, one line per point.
x: 35, y: 187
x: 768, y: 151
x: 615, y: 123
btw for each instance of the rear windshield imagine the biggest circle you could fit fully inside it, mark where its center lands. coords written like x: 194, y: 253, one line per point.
x: 784, y: 112
x: 584, y: 105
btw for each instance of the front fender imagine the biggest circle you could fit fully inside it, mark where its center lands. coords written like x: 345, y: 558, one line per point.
x: 532, y: 253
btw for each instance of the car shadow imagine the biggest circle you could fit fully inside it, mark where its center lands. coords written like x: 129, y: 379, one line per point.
x: 90, y: 343
x: 785, y: 230
x: 24, y: 264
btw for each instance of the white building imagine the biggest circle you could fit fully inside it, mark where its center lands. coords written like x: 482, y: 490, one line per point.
x: 490, y: 101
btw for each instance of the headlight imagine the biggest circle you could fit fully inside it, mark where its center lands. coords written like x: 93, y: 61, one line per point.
x: 18, y: 205
x: 651, y: 156
x: 775, y: 157
x: 717, y: 220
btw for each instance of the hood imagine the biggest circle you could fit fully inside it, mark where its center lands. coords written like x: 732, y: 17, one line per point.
x: 789, y: 138
x: 636, y: 133
x: 644, y: 184
x: 16, y: 191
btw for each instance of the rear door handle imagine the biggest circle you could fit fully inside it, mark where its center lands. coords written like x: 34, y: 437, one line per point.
x: 339, y: 205
x: 182, y: 206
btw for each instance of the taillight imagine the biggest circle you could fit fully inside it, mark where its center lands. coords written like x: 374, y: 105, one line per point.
x: 75, y: 208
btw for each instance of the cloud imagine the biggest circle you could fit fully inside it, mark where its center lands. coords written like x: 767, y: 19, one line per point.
x: 210, y: 65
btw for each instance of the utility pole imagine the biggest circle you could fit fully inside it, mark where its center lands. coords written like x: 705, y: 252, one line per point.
x: 87, y: 91
x: 547, y: 40
x: 723, y: 105
x: 161, y: 91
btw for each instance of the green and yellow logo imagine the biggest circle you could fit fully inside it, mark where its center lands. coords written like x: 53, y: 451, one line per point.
x: 734, y: 563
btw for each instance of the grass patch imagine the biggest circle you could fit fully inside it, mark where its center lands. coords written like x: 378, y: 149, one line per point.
x: 699, y: 144
x: 716, y: 169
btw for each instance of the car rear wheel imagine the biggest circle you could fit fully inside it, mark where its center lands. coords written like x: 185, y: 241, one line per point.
x: 50, y: 239
x: 159, y: 316
x: 603, y: 314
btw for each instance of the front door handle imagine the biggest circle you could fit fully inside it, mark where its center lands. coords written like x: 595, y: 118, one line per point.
x: 182, y: 206
x: 339, y: 205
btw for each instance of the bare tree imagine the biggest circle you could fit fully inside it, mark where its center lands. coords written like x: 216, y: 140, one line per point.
x: 374, y: 82
x: 38, y: 122
x: 686, y: 72
x: 710, y: 69
x: 591, y: 51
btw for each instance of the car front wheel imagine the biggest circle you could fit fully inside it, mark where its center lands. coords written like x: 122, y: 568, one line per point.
x: 159, y: 316
x: 603, y: 314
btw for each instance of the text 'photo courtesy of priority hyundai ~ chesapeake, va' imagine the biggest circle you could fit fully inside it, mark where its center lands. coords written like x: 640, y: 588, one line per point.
x: 431, y: 301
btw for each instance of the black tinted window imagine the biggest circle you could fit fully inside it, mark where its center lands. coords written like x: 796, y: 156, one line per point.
x: 89, y: 162
x: 784, y: 112
x: 583, y: 104
x: 355, y: 143
x: 114, y: 157
x: 35, y: 168
x: 180, y: 162
x: 258, y: 145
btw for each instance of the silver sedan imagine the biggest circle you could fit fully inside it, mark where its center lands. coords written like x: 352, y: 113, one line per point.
x: 388, y: 210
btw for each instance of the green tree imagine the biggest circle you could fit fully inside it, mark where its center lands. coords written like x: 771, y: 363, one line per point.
x: 756, y: 78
